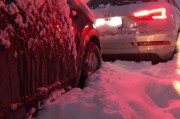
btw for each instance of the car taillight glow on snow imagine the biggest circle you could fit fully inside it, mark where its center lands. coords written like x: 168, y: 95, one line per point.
x: 152, y: 14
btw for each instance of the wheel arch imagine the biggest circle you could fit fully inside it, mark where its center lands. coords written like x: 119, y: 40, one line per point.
x: 95, y: 40
x: 94, y: 37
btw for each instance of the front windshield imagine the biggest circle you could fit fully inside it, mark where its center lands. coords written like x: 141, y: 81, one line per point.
x: 96, y: 3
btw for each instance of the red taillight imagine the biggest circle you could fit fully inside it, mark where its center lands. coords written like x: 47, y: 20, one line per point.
x: 160, y: 13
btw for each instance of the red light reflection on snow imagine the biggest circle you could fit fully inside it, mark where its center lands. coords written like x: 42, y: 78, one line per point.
x: 72, y: 28
x: 58, y: 27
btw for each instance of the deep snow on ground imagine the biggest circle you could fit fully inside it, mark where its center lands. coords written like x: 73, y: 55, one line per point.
x: 122, y: 90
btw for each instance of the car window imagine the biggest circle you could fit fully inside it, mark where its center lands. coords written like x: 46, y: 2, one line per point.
x: 96, y: 3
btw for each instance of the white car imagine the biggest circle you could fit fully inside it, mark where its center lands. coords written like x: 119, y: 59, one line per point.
x: 137, y: 26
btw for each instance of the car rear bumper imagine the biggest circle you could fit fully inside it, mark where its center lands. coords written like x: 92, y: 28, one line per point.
x: 162, y: 52
x: 132, y: 57
x: 128, y: 44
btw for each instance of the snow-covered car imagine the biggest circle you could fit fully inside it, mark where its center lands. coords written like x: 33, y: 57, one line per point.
x: 143, y: 27
x: 44, y: 45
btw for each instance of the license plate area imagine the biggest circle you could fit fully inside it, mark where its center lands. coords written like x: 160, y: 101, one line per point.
x: 109, y: 25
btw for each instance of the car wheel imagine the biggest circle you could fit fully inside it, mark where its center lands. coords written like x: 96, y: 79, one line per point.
x: 91, y: 62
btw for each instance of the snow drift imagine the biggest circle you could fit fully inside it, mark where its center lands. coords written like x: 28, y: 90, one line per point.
x: 123, y: 90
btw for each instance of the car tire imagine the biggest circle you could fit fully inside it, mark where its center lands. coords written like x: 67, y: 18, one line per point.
x: 91, y: 63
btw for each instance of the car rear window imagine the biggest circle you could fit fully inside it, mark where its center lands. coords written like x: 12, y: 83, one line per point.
x: 97, y: 3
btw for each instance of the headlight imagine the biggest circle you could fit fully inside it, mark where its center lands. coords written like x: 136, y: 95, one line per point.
x: 111, y: 21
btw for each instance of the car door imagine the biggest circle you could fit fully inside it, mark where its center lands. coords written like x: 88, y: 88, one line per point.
x: 80, y: 23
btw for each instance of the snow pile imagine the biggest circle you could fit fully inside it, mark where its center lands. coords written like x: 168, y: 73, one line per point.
x: 36, y: 22
x: 123, y: 90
